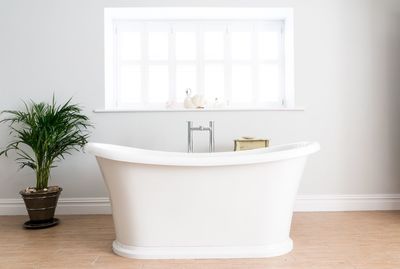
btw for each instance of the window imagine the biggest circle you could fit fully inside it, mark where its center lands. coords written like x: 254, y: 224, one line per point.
x: 239, y: 56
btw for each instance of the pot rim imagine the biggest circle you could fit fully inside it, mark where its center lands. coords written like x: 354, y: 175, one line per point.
x: 41, y: 192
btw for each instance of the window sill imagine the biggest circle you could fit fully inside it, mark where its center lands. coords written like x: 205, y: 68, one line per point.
x: 107, y: 110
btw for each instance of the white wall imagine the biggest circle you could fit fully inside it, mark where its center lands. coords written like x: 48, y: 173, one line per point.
x: 347, y: 61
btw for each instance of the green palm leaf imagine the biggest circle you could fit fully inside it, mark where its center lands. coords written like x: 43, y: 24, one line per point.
x: 49, y: 132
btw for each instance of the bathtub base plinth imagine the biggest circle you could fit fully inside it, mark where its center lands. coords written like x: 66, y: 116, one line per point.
x: 202, y: 252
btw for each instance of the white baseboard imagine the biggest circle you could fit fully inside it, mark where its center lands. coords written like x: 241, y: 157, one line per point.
x: 356, y: 202
x: 304, y: 203
x: 65, y: 206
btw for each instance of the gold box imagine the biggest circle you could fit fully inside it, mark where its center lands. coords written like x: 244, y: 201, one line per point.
x: 250, y: 143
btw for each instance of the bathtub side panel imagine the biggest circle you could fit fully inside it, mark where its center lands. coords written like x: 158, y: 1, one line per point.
x: 172, y: 206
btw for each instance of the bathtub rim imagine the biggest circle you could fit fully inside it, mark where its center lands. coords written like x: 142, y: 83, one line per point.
x: 154, y: 157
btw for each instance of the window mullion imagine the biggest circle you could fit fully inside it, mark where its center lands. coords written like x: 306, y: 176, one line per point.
x: 228, y: 65
x: 172, y: 64
x: 254, y: 40
x: 117, y: 90
x: 282, y: 67
x: 145, y: 64
x: 200, y: 60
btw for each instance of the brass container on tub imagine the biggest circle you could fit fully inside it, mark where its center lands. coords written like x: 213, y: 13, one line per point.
x: 246, y: 143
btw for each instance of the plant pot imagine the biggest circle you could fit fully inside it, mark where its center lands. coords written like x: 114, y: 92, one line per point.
x: 41, y: 206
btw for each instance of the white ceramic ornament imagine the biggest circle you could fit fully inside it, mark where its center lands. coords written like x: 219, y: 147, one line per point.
x: 199, y: 101
x: 188, y: 100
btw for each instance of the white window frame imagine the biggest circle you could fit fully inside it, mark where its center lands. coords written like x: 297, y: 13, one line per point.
x: 113, y: 16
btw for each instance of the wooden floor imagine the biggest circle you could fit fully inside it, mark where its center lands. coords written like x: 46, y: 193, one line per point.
x: 337, y: 240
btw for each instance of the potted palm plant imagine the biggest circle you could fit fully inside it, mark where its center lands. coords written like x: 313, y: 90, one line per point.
x: 44, y: 133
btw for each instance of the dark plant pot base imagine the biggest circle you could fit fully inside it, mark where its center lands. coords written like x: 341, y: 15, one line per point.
x: 40, y: 225
x: 41, y: 206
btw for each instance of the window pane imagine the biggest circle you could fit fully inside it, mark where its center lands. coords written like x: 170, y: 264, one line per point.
x: 130, y: 84
x: 158, y: 45
x: 268, y: 45
x: 158, y: 84
x: 214, y: 81
x: 241, y: 45
x: 214, y: 45
x: 185, y: 45
x: 185, y: 78
x: 268, y: 83
x: 130, y: 45
x: 241, y: 84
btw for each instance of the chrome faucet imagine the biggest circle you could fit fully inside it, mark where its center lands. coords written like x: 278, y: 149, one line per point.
x: 210, y: 129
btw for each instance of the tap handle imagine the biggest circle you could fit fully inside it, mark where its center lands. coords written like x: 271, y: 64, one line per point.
x: 212, y: 138
x: 190, y: 136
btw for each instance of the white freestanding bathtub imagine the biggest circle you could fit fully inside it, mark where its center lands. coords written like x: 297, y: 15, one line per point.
x: 169, y: 205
